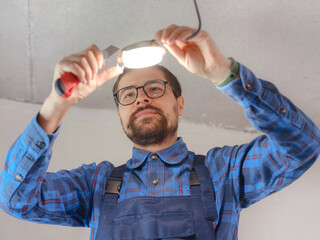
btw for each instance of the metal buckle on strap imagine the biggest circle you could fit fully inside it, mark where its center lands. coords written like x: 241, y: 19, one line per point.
x: 113, y: 187
x: 194, y: 180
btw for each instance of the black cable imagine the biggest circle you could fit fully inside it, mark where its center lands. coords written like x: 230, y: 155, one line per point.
x: 199, y: 20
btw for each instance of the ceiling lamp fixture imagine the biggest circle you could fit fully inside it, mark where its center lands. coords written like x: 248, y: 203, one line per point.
x: 142, y: 54
x: 148, y: 53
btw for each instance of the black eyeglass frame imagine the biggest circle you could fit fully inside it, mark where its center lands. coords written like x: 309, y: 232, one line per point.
x: 137, y: 91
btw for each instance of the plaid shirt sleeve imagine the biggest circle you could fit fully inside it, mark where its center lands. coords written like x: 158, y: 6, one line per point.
x: 289, y: 146
x: 28, y: 192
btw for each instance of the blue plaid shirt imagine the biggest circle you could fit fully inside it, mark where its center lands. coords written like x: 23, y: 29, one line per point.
x: 241, y: 175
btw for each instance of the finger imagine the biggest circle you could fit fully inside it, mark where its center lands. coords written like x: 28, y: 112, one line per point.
x: 158, y: 35
x: 206, y: 45
x: 89, y: 60
x: 72, y: 67
x: 176, y: 51
x: 98, y: 54
x: 84, y: 65
x: 93, y: 62
x: 180, y: 34
x: 119, y: 61
x: 167, y: 32
x: 87, y: 69
x: 76, y: 64
x: 108, y: 74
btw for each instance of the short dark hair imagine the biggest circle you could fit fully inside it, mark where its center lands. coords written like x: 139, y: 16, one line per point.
x: 170, y: 77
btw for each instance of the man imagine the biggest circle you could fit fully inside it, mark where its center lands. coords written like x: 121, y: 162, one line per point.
x: 159, y: 198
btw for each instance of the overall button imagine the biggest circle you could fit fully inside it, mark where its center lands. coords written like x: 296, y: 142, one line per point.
x: 41, y: 144
x: 155, y: 181
x: 154, y: 157
x: 283, y: 111
x: 19, y: 177
x: 248, y: 86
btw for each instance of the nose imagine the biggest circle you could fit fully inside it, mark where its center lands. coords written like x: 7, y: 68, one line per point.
x: 142, y: 98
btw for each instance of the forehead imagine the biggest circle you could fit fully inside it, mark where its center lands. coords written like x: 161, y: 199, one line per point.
x: 139, y: 77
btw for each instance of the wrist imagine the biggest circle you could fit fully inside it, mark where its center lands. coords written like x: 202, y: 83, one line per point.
x: 232, y: 75
x: 221, y: 72
x: 51, y: 114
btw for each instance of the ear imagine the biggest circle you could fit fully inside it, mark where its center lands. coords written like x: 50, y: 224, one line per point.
x: 180, y: 100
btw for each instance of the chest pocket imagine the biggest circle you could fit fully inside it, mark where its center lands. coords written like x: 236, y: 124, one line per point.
x: 154, y: 218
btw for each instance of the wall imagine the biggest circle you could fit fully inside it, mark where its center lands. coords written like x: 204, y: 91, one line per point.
x: 290, y: 214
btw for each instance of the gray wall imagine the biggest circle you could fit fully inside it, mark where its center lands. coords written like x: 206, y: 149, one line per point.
x: 292, y: 213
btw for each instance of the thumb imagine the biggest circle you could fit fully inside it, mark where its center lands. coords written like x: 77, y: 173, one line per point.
x: 108, y: 74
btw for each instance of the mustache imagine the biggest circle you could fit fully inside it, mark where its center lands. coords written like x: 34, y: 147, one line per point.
x: 133, y: 115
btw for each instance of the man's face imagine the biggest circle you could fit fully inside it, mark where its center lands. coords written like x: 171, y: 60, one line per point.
x: 149, y: 121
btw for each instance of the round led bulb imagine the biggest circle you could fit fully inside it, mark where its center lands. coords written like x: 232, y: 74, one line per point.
x: 142, y: 54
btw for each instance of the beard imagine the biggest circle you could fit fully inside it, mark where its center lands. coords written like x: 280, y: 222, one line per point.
x: 150, y: 130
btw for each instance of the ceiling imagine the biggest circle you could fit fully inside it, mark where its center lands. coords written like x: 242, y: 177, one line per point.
x: 277, y: 39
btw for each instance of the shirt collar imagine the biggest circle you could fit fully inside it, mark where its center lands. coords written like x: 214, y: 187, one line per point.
x: 171, y: 155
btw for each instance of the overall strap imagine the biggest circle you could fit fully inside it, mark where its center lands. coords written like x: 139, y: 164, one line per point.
x: 206, y: 187
x: 115, y: 180
x: 109, y: 204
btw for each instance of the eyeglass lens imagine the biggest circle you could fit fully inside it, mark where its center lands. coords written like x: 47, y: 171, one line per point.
x: 153, y: 89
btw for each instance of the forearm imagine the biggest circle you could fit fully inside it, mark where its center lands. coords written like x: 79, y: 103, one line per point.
x: 272, y: 113
x: 290, y: 146
x: 28, y: 192
x: 51, y: 114
x: 32, y: 148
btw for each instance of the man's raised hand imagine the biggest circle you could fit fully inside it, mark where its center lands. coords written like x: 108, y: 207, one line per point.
x: 199, y: 55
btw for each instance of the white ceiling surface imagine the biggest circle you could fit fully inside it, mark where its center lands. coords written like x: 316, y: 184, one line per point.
x: 277, y: 39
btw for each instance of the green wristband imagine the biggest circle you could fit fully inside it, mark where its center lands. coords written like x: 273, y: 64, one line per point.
x: 232, y: 75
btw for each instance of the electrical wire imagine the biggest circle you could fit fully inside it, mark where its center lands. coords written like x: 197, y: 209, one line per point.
x: 199, y: 21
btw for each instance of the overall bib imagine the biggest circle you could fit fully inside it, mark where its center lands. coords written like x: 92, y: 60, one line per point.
x: 142, y: 218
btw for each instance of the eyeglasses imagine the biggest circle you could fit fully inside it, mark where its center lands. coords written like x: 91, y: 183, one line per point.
x: 153, y: 89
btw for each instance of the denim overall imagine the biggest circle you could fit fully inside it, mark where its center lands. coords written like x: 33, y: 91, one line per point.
x: 142, y: 218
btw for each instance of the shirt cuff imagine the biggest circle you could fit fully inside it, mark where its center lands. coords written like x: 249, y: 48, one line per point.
x: 37, y: 138
x: 232, y: 75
